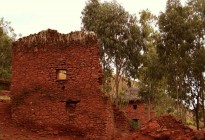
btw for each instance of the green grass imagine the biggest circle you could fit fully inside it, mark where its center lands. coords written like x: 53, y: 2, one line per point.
x: 5, y: 97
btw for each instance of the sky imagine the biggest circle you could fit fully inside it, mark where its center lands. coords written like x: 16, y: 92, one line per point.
x: 32, y: 16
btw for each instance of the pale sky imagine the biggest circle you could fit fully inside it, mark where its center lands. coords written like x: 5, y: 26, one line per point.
x: 32, y: 16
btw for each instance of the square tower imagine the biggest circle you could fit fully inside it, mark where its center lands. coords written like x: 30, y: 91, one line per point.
x: 56, y: 82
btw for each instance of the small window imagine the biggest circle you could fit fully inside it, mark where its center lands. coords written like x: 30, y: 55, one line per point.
x: 61, y: 74
x: 135, y: 123
x: 71, y: 105
x: 135, y: 120
x: 135, y: 106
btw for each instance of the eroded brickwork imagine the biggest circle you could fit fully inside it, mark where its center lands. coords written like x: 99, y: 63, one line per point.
x: 74, y: 105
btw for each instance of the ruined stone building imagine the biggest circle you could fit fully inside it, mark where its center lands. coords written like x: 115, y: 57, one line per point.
x: 136, y: 109
x: 56, y: 85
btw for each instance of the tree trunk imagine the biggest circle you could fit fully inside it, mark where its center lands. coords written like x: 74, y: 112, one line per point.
x: 117, y: 83
x: 149, y: 108
x: 180, y: 96
x: 197, y: 113
x: 202, y: 97
x: 176, y: 86
x: 149, y: 102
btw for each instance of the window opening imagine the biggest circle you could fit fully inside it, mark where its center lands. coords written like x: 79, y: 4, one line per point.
x: 63, y: 87
x: 135, y: 106
x: 71, y: 105
x: 61, y: 74
x: 135, y: 123
x: 135, y: 120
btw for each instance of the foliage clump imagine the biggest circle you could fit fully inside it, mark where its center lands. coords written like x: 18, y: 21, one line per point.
x: 7, y: 36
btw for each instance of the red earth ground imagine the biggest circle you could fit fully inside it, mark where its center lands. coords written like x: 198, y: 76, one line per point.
x: 165, y: 127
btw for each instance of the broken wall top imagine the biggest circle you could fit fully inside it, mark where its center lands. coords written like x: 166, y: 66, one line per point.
x: 53, y: 39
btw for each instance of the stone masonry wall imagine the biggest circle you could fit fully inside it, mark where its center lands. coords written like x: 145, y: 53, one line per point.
x: 140, y: 112
x: 74, y: 105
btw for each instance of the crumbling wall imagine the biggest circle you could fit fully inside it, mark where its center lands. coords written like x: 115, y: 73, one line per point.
x: 74, y: 105
x: 122, y: 122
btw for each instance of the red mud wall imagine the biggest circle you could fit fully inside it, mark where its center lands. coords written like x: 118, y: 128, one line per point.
x: 140, y: 113
x: 75, y: 105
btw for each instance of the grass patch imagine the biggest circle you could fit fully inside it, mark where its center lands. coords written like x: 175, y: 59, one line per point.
x: 5, y: 97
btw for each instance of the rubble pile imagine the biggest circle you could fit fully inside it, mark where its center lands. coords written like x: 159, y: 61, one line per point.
x: 169, y: 127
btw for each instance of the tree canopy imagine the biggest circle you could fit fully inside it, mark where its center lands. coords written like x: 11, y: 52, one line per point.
x: 165, y: 53
x: 118, y: 33
x: 6, y: 37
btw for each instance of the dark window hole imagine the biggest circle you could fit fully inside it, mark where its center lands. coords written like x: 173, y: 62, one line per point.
x: 135, y: 123
x: 71, y: 105
x: 135, y: 120
x: 63, y: 87
x: 135, y: 106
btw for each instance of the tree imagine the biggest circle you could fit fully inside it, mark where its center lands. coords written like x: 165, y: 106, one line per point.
x: 112, y: 24
x: 181, y: 50
x: 150, y: 71
x: 174, y: 47
x: 150, y: 77
x: 195, y: 75
x: 134, y: 48
x: 6, y: 37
